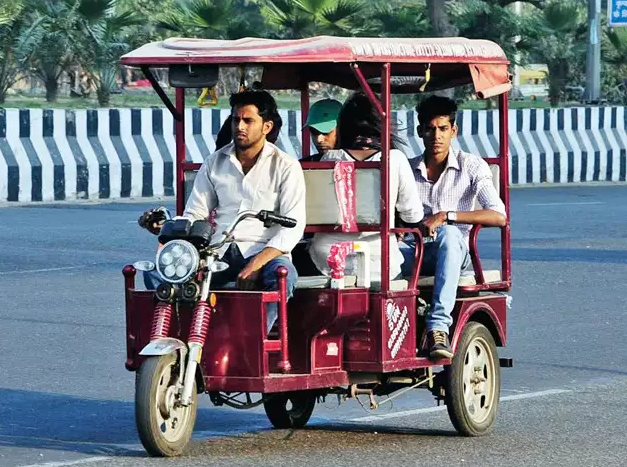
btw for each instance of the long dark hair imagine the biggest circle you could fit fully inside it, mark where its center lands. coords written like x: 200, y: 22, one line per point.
x: 359, y: 125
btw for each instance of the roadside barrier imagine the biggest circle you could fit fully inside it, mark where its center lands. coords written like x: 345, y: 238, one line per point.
x: 50, y: 155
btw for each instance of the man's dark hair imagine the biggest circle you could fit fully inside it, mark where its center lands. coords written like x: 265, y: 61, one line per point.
x: 263, y: 100
x: 436, y: 106
x: 359, y: 125
x: 266, y: 106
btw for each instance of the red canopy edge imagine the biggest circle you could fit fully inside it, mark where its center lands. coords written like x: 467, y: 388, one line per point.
x: 490, y: 80
x: 316, y: 49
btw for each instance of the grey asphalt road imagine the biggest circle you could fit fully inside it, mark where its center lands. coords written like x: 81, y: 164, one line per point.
x: 66, y: 398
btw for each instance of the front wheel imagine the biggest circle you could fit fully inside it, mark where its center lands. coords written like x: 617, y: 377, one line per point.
x: 164, y: 426
x: 289, y: 409
x: 474, y: 382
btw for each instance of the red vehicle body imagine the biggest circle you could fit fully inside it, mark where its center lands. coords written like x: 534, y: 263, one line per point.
x: 338, y: 340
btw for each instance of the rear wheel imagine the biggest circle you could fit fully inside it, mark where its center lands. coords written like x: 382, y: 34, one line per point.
x: 474, y: 382
x: 164, y: 426
x: 289, y: 409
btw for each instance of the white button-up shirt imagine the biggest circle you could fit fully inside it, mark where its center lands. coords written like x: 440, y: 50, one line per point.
x: 275, y: 183
x: 467, y: 178
x: 403, y: 196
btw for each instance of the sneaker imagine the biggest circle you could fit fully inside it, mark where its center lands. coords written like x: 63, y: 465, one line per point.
x: 438, y: 345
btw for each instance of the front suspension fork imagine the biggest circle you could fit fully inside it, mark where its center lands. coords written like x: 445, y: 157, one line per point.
x: 196, y: 341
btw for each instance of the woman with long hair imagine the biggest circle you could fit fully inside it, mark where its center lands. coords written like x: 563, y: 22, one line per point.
x: 359, y: 129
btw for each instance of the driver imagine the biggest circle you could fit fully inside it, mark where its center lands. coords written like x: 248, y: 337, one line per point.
x: 252, y: 174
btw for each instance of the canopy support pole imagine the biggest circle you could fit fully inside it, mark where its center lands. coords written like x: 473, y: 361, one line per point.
x: 304, y: 113
x: 506, y: 263
x: 161, y: 93
x: 367, y: 89
x: 179, y: 136
x: 386, y: 95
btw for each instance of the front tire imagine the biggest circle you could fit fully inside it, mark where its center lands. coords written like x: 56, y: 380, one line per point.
x: 164, y: 427
x: 289, y: 409
x: 474, y: 382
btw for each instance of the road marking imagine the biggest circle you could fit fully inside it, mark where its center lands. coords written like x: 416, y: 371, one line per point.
x: 87, y: 460
x: 583, y: 203
x: 26, y: 271
x: 210, y: 433
x: 406, y: 413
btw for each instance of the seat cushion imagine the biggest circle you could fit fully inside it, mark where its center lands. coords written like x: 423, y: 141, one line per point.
x: 490, y: 276
x: 322, y: 282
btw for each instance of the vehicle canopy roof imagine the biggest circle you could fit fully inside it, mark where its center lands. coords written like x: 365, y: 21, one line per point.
x: 288, y: 64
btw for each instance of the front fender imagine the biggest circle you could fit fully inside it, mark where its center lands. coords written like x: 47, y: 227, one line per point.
x: 164, y: 346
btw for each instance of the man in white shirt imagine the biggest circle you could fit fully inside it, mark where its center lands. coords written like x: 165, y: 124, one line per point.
x: 449, y: 182
x: 252, y: 174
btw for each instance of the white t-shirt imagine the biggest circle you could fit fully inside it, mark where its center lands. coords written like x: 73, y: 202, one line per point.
x: 403, y: 196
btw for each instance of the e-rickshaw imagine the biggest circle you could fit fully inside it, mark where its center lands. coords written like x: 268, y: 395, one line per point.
x: 341, y: 335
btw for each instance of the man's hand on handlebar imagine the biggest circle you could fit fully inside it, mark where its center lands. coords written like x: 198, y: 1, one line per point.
x: 152, y: 220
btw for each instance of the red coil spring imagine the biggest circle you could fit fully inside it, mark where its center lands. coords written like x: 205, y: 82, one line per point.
x: 200, y: 323
x: 161, y: 321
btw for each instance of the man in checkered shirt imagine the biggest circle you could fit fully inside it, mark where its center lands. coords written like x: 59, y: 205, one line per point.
x: 449, y: 182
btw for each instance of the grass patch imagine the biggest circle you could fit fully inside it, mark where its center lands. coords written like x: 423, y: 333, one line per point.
x: 147, y: 98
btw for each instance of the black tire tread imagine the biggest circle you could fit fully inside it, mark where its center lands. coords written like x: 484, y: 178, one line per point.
x: 275, y: 406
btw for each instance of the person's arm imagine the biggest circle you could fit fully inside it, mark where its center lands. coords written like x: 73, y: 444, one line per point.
x: 492, y: 214
x: 247, y: 278
x: 203, y: 199
x: 408, y: 202
x: 291, y: 204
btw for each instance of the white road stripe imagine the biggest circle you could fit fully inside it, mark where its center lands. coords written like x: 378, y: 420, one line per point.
x: 583, y: 203
x: 87, y: 460
x: 406, y: 413
x: 8, y: 273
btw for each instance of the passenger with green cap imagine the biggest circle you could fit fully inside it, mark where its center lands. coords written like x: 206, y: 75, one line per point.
x: 322, y: 123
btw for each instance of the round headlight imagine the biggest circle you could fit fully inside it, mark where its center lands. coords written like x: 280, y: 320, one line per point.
x: 177, y: 261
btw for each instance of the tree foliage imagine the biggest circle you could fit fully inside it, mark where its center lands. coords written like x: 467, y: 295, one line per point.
x: 45, y: 39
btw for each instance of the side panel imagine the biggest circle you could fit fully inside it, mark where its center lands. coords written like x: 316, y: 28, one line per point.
x: 388, y: 335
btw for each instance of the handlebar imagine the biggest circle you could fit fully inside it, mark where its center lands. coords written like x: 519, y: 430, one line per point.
x: 267, y: 217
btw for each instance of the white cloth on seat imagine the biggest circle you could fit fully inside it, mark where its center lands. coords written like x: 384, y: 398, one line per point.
x: 403, y: 196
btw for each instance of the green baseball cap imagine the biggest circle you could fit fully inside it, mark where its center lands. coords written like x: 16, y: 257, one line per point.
x: 323, y: 115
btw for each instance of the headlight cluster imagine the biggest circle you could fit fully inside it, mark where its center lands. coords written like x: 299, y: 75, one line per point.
x: 177, y: 261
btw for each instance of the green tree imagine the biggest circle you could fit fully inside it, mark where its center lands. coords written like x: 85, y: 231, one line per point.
x: 214, y: 19
x: 53, y: 42
x: 16, y: 28
x: 400, y: 20
x: 476, y: 19
x: 304, y: 18
x: 102, y: 41
x: 614, y: 73
x: 559, y: 41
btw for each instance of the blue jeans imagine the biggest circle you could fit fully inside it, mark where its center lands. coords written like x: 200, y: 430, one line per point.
x: 445, y: 258
x: 236, y: 263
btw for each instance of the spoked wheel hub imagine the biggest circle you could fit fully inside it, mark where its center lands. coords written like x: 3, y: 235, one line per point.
x: 479, y: 380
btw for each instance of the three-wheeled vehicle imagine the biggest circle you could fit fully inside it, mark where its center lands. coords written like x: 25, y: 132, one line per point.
x: 350, y: 339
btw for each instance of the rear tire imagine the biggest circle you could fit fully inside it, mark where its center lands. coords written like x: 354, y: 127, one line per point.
x: 164, y: 427
x: 474, y: 382
x: 289, y: 409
